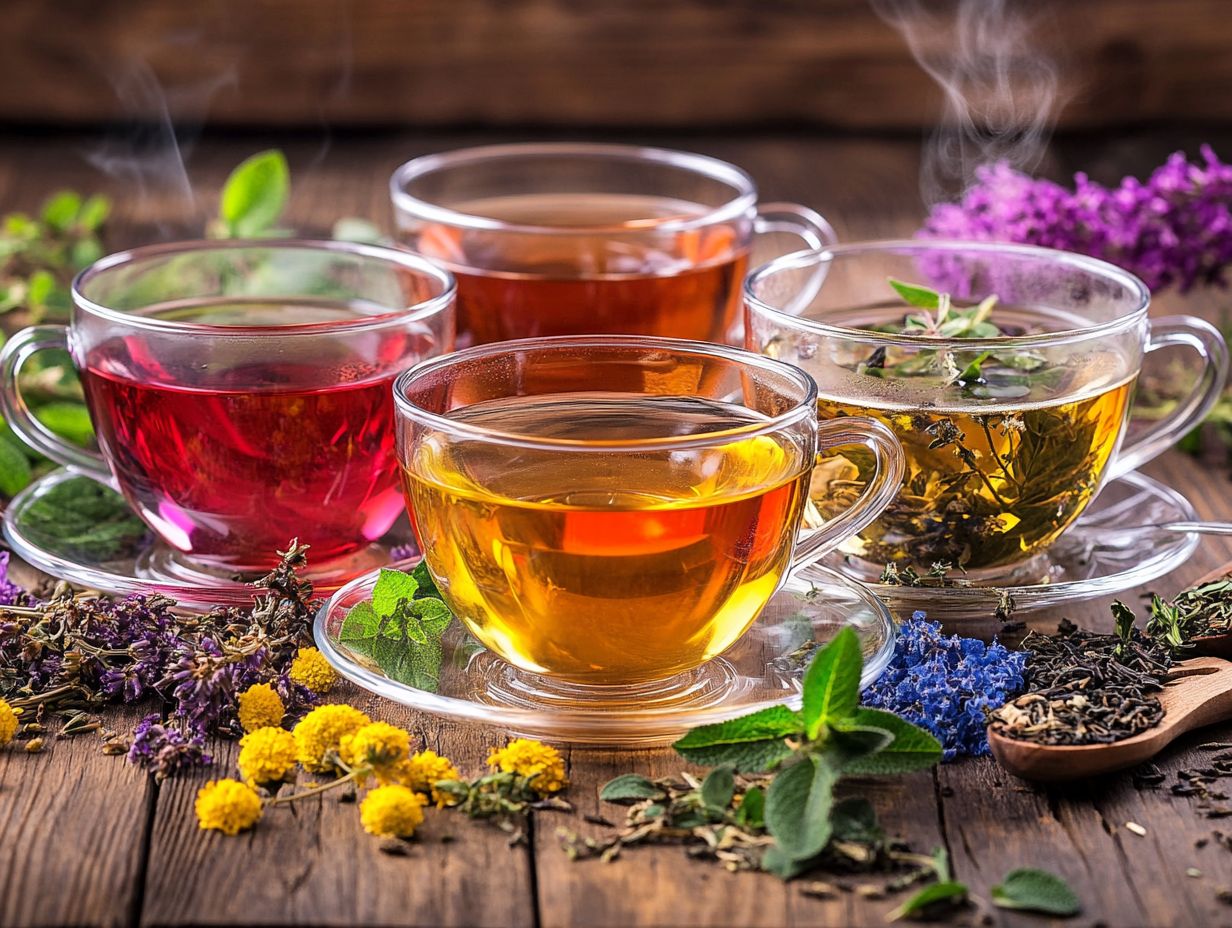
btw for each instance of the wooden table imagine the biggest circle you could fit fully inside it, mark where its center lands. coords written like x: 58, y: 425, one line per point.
x: 86, y: 839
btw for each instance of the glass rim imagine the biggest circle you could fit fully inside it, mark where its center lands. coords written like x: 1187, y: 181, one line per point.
x: 805, y: 407
x: 1134, y: 287
x: 396, y: 257
x: 743, y: 202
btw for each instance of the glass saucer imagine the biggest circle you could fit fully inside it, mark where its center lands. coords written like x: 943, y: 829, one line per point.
x: 763, y: 668
x: 137, y: 562
x: 1106, y: 552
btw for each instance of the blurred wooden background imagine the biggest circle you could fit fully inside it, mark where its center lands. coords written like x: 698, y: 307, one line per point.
x: 715, y: 64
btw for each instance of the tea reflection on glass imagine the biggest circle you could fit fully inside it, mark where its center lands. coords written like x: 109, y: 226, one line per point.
x: 1011, y: 411
x: 606, y: 535
x: 564, y: 239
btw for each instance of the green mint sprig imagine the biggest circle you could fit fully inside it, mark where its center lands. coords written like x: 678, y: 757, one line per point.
x: 812, y: 749
x: 401, y: 627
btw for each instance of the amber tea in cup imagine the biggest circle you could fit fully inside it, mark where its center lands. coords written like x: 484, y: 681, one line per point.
x: 566, y: 239
x: 612, y: 535
x: 1006, y: 372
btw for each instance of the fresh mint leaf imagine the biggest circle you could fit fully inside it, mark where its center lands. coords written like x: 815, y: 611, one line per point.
x: 932, y: 901
x: 361, y: 623
x: 630, y: 787
x: 392, y: 588
x: 84, y: 520
x: 718, y: 788
x: 1036, y: 891
x: 93, y: 213
x: 60, y: 212
x: 15, y: 471
x: 915, y: 295
x: 846, y: 745
x: 910, y: 748
x: 751, y: 812
x: 418, y: 666
x: 831, y: 689
x: 747, y: 756
x: 255, y: 194
x: 427, y: 586
x: 750, y: 742
x: 798, y: 807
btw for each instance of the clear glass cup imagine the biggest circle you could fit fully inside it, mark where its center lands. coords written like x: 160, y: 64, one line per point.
x: 618, y: 509
x: 574, y: 239
x: 1008, y: 436
x: 240, y: 391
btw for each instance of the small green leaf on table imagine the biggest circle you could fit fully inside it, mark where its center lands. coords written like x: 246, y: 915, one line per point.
x: 630, y: 787
x: 1034, y: 890
x: 798, y: 807
x: 933, y: 901
x: 718, y: 788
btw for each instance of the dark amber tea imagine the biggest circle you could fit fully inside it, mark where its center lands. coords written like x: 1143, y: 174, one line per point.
x: 603, y: 274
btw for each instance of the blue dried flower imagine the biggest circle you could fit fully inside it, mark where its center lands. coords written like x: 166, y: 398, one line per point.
x: 947, y: 684
x: 1175, y: 228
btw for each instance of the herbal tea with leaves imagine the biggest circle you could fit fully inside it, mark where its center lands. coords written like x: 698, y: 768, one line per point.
x: 1004, y: 448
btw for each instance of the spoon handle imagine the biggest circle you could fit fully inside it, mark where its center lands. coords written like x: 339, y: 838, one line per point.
x: 1198, y: 528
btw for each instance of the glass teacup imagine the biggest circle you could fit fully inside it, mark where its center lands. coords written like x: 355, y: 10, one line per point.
x: 240, y: 391
x: 1008, y: 434
x: 612, y: 510
x: 573, y: 239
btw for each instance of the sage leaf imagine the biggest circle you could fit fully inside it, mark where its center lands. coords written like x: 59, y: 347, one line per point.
x: 915, y: 295
x: 798, y: 807
x: 932, y: 901
x: 831, y: 688
x: 630, y: 788
x: 718, y: 788
x: 1036, y: 891
x: 911, y: 747
x: 255, y: 194
x: 15, y: 471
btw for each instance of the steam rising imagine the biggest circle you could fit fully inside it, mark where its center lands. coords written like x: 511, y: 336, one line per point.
x: 1001, y: 90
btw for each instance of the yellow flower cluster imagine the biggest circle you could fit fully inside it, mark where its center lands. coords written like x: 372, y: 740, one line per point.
x: 267, y: 755
x: 392, y: 811
x: 542, y: 765
x: 424, y: 770
x: 228, y: 806
x: 260, y: 707
x: 379, y: 746
x: 8, y: 722
x: 312, y: 670
x: 319, y: 734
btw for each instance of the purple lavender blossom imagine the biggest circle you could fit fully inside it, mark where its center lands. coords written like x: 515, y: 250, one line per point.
x: 10, y: 593
x: 1175, y: 228
x: 164, y: 749
x: 946, y: 684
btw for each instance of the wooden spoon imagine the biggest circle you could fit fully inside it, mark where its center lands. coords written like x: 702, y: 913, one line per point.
x: 1198, y: 693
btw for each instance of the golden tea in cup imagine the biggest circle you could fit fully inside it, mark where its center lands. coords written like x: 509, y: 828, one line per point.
x: 568, y: 239
x: 612, y: 534
x: 1006, y: 372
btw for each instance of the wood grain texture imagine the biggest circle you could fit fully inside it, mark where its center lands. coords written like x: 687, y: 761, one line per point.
x: 72, y: 822
x: 668, y: 63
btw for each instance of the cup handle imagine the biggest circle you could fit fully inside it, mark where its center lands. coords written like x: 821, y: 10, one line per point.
x: 1205, y: 339
x: 794, y: 219
x: 19, y: 349
x: 881, y: 490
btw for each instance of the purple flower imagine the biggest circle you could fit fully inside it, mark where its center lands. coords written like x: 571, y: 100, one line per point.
x: 10, y: 593
x: 947, y: 684
x: 163, y: 749
x: 1173, y: 229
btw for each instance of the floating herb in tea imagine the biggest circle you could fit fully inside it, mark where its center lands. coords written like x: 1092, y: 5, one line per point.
x: 1004, y: 446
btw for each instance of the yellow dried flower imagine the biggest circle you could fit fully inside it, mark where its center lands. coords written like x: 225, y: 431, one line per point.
x: 228, y: 806
x: 392, y: 811
x: 260, y: 707
x: 424, y: 770
x: 8, y: 722
x: 320, y: 733
x: 311, y: 669
x: 378, y: 745
x: 266, y: 755
x: 541, y: 765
